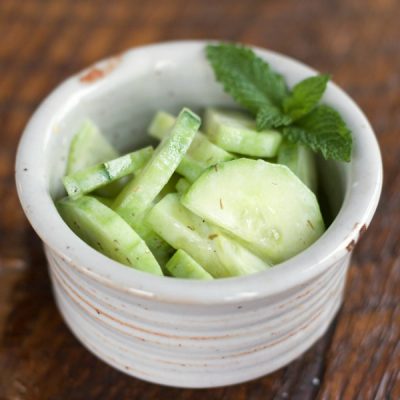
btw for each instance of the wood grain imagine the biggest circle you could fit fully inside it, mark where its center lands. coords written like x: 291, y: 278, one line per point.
x: 358, y: 42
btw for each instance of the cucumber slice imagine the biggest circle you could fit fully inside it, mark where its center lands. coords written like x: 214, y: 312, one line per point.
x: 182, y: 185
x: 263, y: 204
x: 184, y: 230
x: 201, y: 154
x: 300, y: 160
x: 107, y: 232
x: 231, y: 253
x: 88, y: 147
x: 138, y: 195
x: 181, y: 265
x: 100, y: 175
x: 234, y: 131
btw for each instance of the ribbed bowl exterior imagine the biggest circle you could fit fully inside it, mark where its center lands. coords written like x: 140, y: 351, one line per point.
x: 195, y: 345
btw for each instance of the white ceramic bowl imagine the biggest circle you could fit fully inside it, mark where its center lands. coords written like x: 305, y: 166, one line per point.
x: 179, y: 332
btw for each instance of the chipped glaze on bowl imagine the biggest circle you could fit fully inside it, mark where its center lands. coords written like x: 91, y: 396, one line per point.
x: 180, y: 332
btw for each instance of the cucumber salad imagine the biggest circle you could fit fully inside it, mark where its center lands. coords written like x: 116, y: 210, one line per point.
x: 228, y: 194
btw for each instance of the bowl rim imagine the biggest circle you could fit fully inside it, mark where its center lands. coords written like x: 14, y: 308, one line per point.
x: 363, y: 188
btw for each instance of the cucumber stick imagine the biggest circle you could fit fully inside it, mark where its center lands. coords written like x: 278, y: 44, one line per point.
x: 161, y: 249
x: 181, y: 265
x: 219, y: 255
x: 138, y: 195
x: 201, y: 154
x: 106, y: 231
x: 183, y: 230
x: 182, y: 185
x: 88, y: 147
x: 100, y: 175
x: 300, y: 160
x: 263, y: 204
x: 236, y: 132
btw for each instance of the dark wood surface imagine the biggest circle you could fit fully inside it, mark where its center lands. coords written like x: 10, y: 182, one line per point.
x: 358, y: 42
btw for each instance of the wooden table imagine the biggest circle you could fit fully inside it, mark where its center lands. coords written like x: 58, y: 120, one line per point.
x: 358, y: 42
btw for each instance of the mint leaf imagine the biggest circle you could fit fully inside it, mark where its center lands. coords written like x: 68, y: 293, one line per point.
x: 305, y: 96
x: 271, y: 117
x: 324, y: 130
x: 246, y: 77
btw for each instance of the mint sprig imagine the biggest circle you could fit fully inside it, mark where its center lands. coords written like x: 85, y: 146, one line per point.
x: 256, y: 87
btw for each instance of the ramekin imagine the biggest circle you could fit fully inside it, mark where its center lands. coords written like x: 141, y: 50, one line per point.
x: 176, y: 332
